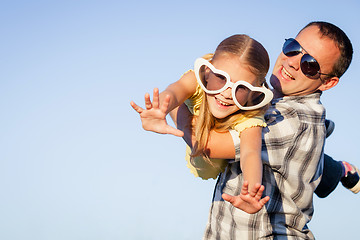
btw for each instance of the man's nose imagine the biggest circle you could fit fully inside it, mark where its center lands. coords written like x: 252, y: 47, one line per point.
x: 294, y: 61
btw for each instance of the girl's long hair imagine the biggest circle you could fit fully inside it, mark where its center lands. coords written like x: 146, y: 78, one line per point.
x: 254, y: 56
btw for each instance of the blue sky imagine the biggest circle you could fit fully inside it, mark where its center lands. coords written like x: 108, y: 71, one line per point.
x: 74, y: 160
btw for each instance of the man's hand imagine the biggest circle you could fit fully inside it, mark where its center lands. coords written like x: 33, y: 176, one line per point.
x: 153, y: 118
x: 250, y: 202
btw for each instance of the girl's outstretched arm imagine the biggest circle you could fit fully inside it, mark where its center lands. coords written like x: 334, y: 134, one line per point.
x: 220, y: 144
x: 153, y: 117
x: 250, y: 155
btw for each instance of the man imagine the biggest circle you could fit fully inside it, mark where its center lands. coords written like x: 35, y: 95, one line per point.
x: 293, y: 142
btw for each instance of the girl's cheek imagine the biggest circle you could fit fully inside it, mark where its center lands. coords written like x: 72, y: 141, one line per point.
x: 243, y: 99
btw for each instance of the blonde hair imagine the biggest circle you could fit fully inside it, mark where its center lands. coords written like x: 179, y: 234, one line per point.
x: 254, y: 56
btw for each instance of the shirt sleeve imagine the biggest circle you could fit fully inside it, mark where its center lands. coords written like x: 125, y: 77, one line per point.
x: 256, y: 121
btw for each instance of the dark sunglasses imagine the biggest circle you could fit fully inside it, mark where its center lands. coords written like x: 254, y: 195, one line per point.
x: 308, y: 64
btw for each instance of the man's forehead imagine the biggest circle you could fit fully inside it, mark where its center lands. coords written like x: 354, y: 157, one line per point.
x: 321, y: 47
x: 310, y: 33
x: 313, y: 41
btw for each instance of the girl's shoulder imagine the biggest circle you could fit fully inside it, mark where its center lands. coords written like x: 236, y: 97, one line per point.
x: 194, y: 102
x: 249, y: 122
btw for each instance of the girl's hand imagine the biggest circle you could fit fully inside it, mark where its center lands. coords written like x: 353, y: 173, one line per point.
x: 250, y: 202
x: 153, y: 118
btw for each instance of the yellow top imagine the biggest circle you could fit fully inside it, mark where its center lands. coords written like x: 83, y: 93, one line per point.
x: 198, y: 165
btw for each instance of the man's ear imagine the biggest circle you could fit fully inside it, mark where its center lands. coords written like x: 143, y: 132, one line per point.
x: 329, y: 83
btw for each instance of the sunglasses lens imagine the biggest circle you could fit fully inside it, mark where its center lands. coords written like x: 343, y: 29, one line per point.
x: 291, y: 47
x: 212, y: 81
x: 248, y: 98
x: 309, y: 66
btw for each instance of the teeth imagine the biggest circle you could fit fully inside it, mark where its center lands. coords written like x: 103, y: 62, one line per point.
x: 287, y: 73
x: 222, y: 103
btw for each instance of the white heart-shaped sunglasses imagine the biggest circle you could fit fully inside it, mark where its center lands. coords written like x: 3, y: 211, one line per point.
x: 220, y: 81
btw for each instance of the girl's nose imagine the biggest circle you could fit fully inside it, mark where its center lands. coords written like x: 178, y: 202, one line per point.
x: 227, y: 93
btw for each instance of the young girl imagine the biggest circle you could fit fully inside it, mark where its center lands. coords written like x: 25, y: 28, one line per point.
x: 225, y: 91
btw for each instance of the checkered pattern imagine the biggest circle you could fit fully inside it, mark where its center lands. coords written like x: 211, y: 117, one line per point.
x: 292, y: 156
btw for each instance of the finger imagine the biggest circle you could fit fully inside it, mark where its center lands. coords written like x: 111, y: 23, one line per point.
x: 245, y: 188
x: 228, y: 198
x: 136, y: 107
x: 175, y: 131
x: 259, y: 193
x: 264, y: 200
x: 148, y: 103
x: 165, y: 104
x: 254, y: 190
x: 156, y: 98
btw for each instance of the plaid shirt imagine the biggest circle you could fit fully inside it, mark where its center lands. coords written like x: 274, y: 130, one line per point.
x: 292, y: 155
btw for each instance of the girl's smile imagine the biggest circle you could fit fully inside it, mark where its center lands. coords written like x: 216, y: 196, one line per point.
x: 221, y: 103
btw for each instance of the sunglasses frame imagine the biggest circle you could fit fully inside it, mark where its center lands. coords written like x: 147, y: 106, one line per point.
x: 267, y: 92
x: 299, y: 51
